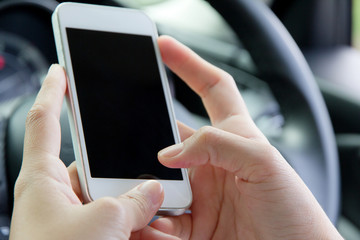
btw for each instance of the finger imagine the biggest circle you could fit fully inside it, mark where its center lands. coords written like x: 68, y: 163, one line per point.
x: 42, y: 135
x: 128, y: 213
x: 217, y: 88
x: 177, y: 226
x: 250, y: 160
x: 142, y: 203
x: 150, y: 233
x: 74, y: 179
x: 185, y: 131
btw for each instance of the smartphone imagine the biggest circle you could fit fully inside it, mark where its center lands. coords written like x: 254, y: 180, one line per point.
x: 119, y: 103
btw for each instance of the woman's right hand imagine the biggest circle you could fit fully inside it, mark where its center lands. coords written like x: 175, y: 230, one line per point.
x: 242, y: 187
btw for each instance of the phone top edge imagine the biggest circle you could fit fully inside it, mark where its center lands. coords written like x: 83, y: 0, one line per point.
x: 78, y: 12
x: 97, y: 7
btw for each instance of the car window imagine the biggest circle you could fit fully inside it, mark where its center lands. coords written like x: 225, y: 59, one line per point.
x: 186, y: 16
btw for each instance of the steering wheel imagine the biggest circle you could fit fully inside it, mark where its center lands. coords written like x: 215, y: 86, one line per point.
x: 311, y: 148
x: 307, y: 140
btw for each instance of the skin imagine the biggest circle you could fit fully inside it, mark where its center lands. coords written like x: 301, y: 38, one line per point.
x: 242, y: 187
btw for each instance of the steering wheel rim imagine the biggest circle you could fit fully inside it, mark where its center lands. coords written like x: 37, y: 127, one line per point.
x: 281, y: 64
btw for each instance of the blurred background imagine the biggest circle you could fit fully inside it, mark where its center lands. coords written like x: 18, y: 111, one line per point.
x: 295, y: 62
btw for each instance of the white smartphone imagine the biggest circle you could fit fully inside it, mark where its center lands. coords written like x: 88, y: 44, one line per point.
x: 119, y: 102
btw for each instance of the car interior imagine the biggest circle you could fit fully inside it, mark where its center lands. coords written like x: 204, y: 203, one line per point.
x: 295, y: 63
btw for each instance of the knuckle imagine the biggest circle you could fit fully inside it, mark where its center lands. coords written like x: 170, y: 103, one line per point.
x: 109, y: 204
x: 20, y: 187
x: 140, y: 202
x: 210, y: 139
x: 209, y: 136
x: 269, y: 152
x: 219, y: 77
x: 117, y: 209
x: 227, y: 76
x: 27, y: 182
x: 267, y: 163
x: 221, y: 74
x: 111, y: 210
x: 205, y: 131
x: 36, y: 113
x: 265, y: 154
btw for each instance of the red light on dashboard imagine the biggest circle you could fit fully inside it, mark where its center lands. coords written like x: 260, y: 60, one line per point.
x: 2, y: 62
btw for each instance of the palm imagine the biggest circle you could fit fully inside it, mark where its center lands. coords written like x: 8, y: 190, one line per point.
x: 64, y: 181
x: 211, y: 188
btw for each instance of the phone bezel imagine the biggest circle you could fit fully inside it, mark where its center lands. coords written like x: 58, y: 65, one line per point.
x: 178, y: 194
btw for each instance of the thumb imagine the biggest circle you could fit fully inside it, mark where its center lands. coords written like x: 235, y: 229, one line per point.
x: 129, y: 212
x: 141, y: 203
x: 117, y: 218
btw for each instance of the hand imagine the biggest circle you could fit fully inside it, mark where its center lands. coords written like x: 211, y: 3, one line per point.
x: 48, y: 202
x: 242, y: 187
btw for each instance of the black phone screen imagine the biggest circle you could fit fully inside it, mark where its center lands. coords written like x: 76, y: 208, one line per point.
x: 122, y: 104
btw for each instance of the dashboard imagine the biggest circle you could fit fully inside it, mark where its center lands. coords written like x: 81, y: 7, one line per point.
x: 26, y: 47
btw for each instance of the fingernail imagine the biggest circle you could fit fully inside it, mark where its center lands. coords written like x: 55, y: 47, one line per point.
x: 55, y: 69
x: 171, y: 151
x: 152, y: 190
x: 51, y: 68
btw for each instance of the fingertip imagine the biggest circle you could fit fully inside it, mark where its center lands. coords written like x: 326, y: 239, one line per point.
x: 52, y: 68
x: 179, y: 226
x: 153, y: 190
x: 164, y: 43
x: 171, y: 151
x: 165, y: 39
x: 56, y: 70
x: 55, y: 80
x: 172, y: 51
x: 163, y: 224
x: 170, y: 156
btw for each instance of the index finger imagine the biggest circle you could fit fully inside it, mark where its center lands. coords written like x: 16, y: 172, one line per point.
x: 42, y: 134
x: 216, y: 87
